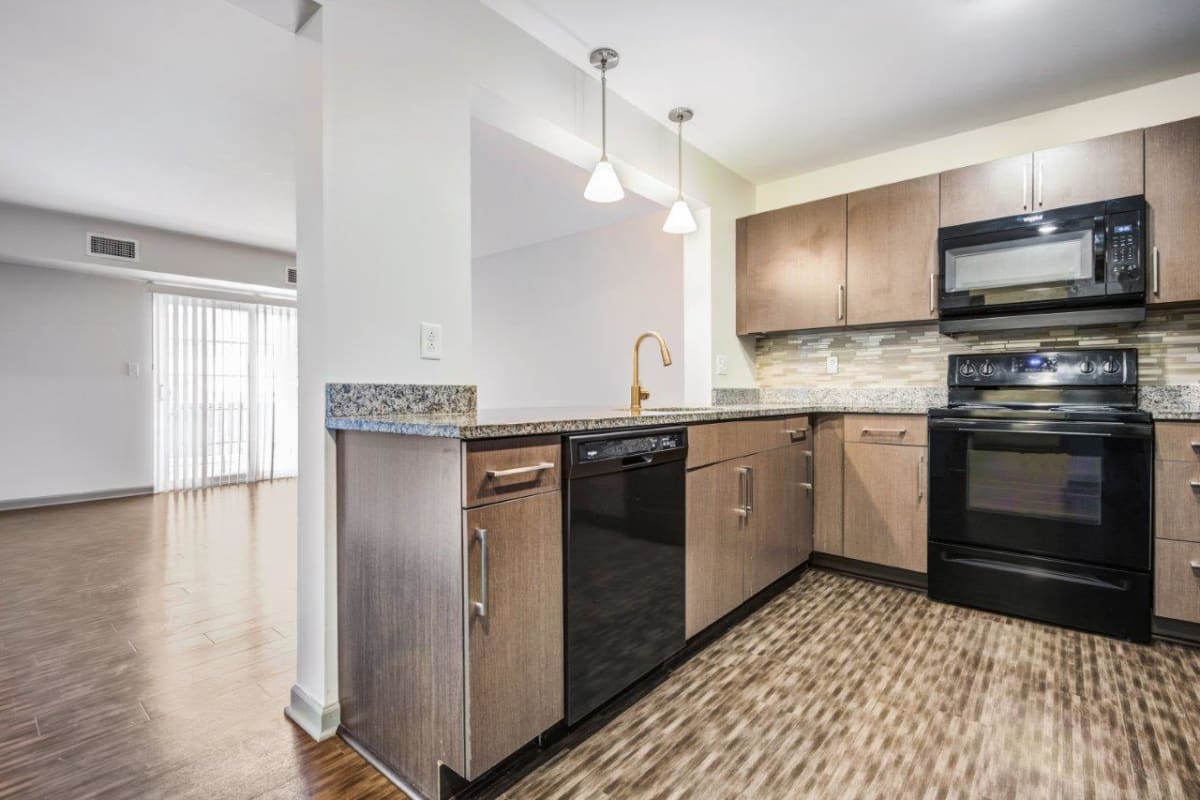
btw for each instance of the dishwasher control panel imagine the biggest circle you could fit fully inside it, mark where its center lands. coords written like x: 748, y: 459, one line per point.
x: 606, y: 449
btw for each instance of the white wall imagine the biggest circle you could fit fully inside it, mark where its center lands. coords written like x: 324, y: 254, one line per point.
x: 71, y: 420
x: 553, y: 323
x: 1145, y: 106
x: 43, y: 237
x: 393, y: 90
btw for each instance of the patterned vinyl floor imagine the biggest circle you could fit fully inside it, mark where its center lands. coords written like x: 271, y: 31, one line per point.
x: 840, y: 688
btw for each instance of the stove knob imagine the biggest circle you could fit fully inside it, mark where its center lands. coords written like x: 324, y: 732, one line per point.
x: 987, y: 368
x: 966, y: 369
x: 1087, y: 367
x: 1111, y: 365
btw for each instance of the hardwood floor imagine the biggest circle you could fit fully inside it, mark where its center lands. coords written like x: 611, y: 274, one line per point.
x: 147, y: 648
x: 844, y: 689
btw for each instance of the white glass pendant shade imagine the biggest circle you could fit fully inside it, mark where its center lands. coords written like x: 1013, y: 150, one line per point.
x: 680, y: 220
x: 603, y: 187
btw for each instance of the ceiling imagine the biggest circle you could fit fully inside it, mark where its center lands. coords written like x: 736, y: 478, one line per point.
x: 522, y: 195
x: 781, y: 87
x: 177, y: 115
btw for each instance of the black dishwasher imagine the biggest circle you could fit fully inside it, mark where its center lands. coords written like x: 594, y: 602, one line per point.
x: 624, y: 554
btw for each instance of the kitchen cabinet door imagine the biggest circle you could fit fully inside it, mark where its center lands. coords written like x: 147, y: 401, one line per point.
x: 781, y: 517
x: 999, y: 188
x: 716, y: 543
x: 515, y: 641
x: 794, y: 276
x: 1088, y: 172
x: 1173, y: 211
x: 827, y: 484
x: 891, y: 253
x: 885, y: 516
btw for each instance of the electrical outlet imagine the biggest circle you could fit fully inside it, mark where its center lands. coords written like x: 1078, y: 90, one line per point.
x: 133, y: 369
x: 831, y: 365
x: 431, y: 340
x: 722, y: 365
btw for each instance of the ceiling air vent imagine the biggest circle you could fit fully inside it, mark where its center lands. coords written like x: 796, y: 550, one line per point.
x: 290, y: 276
x: 111, y: 247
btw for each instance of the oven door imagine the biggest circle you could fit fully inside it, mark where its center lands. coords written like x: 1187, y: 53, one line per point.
x: 1049, y: 264
x: 1080, y: 491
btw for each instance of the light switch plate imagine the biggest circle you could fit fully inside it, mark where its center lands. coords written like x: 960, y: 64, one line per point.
x: 722, y: 365
x: 831, y: 365
x: 431, y: 340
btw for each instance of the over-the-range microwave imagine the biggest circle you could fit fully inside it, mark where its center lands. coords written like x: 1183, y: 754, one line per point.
x: 1082, y: 265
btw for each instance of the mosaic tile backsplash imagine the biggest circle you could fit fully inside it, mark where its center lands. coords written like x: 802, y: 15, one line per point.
x: 1168, y: 344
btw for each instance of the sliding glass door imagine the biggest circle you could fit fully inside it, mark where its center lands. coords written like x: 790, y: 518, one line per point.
x: 227, y: 392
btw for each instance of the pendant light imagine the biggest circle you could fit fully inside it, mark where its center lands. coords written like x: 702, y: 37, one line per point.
x: 604, y: 186
x: 680, y: 219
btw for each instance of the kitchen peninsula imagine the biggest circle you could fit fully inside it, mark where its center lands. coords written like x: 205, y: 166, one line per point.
x: 437, y: 693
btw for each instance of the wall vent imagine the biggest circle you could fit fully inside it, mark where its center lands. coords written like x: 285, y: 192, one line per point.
x: 112, y: 247
x: 290, y: 276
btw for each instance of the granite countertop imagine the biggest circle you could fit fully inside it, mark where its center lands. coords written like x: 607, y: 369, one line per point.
x: 492, y: 423
x: 450, y: 411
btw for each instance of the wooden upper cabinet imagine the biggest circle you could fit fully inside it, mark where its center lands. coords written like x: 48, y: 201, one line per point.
x: 1173, y: 210
x: 999, y: 188
x: 792, y: 270
x: 1088, y: 172
x: 891, y: 252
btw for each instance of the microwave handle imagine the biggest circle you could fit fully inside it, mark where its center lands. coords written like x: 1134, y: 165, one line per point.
x: 1099, y: 247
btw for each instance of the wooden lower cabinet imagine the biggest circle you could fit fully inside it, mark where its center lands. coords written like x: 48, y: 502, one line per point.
x: 716, y: 544
x: 885, y: 505
x: 515, y: 626
x: 780, y: 523
x: 1177, y: 580
x: 749, y: 523
x: 828, y: 439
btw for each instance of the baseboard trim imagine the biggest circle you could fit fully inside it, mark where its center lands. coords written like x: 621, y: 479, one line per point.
x: 318, y: 721
x: 903, y: 578
x: 74, y: 497
x: 1176, y: 630
x: 394, y: 777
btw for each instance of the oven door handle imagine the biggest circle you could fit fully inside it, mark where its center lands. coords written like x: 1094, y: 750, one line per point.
x: 1122, y: 430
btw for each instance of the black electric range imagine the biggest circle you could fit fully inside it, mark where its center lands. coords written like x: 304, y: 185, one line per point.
x: 1041, y: 490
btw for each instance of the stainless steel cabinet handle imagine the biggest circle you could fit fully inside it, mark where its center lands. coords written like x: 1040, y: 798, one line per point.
x: 1041, y: 182
x: 480, y: 607
x: 750, y: 491
x: 920, y: 478
x: 841, y: 305
x: 1154, y: 273
x: 743, y: 509
x: 1024, y: 187
x: 1195, y: 565
x: 797, y: 434
x: 504, y: 473
x: 884, y: 431
x: 808, y: 456
x: 932, y: 294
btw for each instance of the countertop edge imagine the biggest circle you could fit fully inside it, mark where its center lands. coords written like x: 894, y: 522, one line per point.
x: 414, y: 425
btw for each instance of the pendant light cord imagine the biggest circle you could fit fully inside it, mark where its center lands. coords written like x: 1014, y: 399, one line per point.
x: 603, y: 109
x: 680, y: 195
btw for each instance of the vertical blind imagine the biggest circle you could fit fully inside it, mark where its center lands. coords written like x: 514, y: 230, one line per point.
x: 227, y: 392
